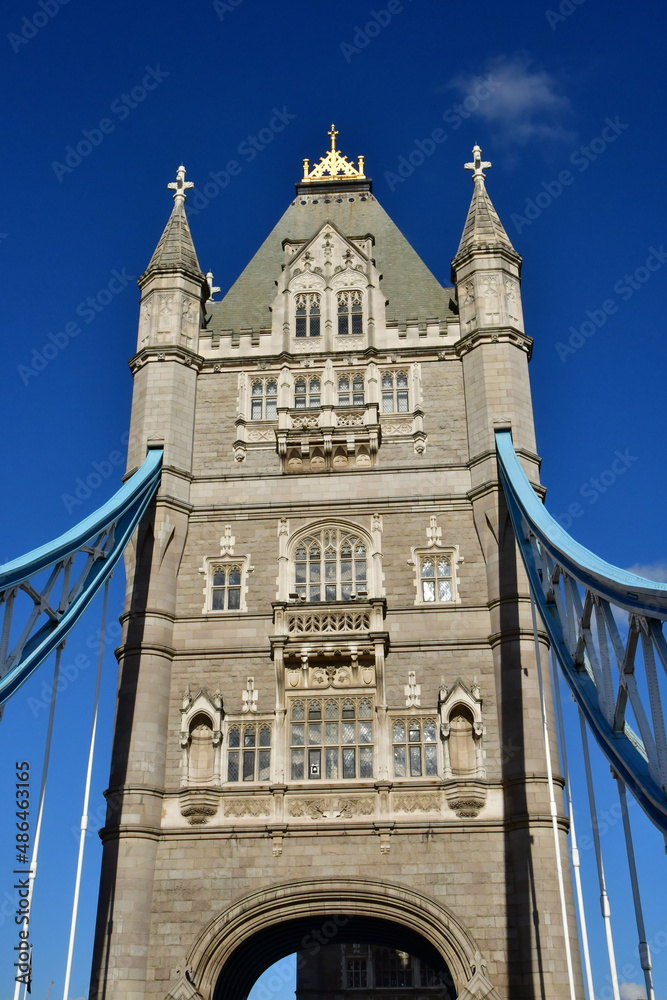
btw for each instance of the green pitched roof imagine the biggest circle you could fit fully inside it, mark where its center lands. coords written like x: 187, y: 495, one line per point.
x: 175, y: 249
x: 410, y: 288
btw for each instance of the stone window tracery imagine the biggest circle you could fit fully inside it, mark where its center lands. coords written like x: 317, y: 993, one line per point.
x: 350, y: 313
x: 415, y: 749
x: 264, y: 399
x: 395, y: 393
x: 351, y: 390
x: 331, y: 739
x: 330, y: 565
x: 249, y: 752
x: 436, y: 568
x: 307, y: 314
x: 307, y: 392
x: 226, y: 588
x: 435, y: 574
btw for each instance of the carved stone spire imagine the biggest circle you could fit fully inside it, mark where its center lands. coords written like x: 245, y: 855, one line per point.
x: 483, y: 229
x: 175, y: 250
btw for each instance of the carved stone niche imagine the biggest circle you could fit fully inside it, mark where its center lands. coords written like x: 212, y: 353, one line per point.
x: 200, y: 738
x: 462, y: 731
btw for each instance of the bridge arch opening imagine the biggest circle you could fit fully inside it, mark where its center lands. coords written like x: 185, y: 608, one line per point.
x: 339, y: 952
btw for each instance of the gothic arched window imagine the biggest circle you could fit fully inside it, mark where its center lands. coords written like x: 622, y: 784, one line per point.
x: 354, y: 382
x: 307, y: 309
x: 264, y: 399
x: 395, y: 392
x: 307, y: 393
x: 350, y: 313
x: 415, y: 748
x: 249, y: 753
x: 226, y: 588
x: 435, y: 573
x: 331, y: 739
x: 330, y: 565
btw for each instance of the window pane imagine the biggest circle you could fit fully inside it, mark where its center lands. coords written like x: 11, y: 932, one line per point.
x: 331, y: 710
x: 233, y: 739
x: 402, y: 398
x: 387, y: 381
x: 343, y: 384
x: 331, y: 762
x: 248, y: 765
x: 444, y: 590
x: 314, y: 764
x: 358, y: 383
x: 218, y: 600
x: 387, y: 402
x: 234, y: 598
x: 232, y: 766
x: 297, y: 735
x: 415, y: 761
x: 414, y: 734
x: 429, y: 732
x: 365, y: 710
x: 431, y: 760
x: 314, y: 572
x: 342, y: 326
x: 314, y: 326
x: 314, y: 305
x: 265, y: 737
x: 234, y: 576
x: 399, y: 762
x: 297, y: 765
x: 315, y: 594
x: 346, y: 592
x: 264, y: 765
x: 366, y: 762
x: 429, y: 591
x: 329, y: 594
x: 315, y: 710
x: 399, y: 732
x: 301, y: 326
x: 427, y: 568
x: 365, y: 732
x: 249, y: 736
x: 315, y: 734
x: 332, y: 733
x: 348, y: 732
x: 256, y: 413
x: 345, y: 570
x: 300, y: 385
x: 360, y: 570
x: 271, y: 411
x: 357, y: 326
x: 257, y: 389
x: 329, y: 570
x: 300, y: 572
x: 401, y: 381
x: 349, y: 769
x: 219, y: 578
x: 348, y: 709
x: 443, y: 567
x: 297, y: 711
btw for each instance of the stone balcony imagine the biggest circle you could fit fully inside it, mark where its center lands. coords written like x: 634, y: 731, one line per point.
x: 328, y: 438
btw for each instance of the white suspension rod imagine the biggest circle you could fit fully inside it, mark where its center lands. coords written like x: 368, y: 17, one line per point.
x: 42, y: 791
x: 644, y: 953
x: 604, y: 899
x: 84, y: 815
x: 573, y: 834
x: 553, y: 810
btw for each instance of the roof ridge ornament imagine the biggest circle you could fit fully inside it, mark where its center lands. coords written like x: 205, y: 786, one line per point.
x: 180, y: 185
x: 334, y: 166
x: 478, y: 165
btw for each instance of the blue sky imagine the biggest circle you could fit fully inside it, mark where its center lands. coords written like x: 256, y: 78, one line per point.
x: 571, y: 117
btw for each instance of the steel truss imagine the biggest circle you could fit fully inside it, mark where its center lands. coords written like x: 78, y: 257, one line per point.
x: 62, y: 577
x: 581, y: 600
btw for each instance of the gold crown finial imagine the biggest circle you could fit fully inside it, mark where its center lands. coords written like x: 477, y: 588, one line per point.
x: 334, y: 166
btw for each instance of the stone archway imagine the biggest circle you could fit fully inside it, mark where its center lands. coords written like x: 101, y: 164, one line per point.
x: 245, y: 939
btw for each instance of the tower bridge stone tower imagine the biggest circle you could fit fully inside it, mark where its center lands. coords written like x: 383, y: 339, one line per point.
x: 328, y: 724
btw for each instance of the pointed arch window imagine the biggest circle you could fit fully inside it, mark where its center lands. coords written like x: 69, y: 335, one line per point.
x: 308, y: 314
x: 351, y: 390
x: 435, y: 572
x: 330, y: 565
x: 331, y: 738
x: 415, y: 748
x: 264, y: 399
x: 395, y: 396
x: 249, y: 753
x: 350, y: 313
x: 307, y: 393
x: 226, y: 588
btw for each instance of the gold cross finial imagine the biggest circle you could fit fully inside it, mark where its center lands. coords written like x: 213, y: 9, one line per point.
x: 180, y: 185
x: 332, y: 133
x: 478, y: 165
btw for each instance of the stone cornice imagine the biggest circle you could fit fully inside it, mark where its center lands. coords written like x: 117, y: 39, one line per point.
x: 494, y: 335
x: 166, y: 352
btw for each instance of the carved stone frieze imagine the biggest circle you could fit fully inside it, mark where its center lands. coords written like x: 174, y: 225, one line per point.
x: 335, y: 621
x: 250, y: 806
x: 416, y: 803
x: 330, y: 807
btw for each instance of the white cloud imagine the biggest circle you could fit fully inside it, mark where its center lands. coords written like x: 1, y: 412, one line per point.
x: 526, y: 105
x: 632, y: 991
x: 652, y: 571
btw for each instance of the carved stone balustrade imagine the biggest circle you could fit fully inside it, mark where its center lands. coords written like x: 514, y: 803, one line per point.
x: 328, y: 438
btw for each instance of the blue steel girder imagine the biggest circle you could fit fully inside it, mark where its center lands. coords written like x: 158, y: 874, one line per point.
x: 580, y: 598
x: 75, y: 565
